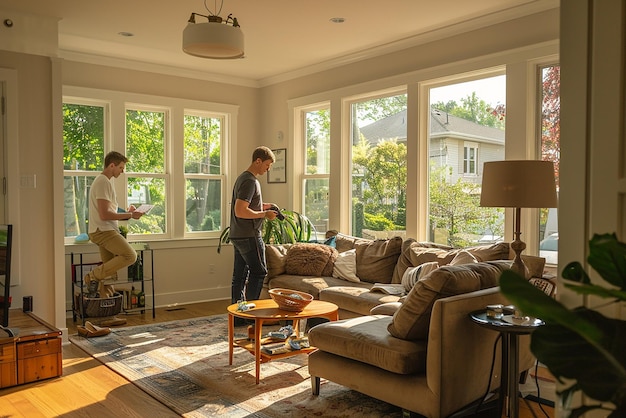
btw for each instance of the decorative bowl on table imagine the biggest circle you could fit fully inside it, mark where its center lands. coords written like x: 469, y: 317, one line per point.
x: 290, y: 300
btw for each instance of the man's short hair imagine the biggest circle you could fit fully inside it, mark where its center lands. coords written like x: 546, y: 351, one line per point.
x: 115, y: 158
x: 264, y: 153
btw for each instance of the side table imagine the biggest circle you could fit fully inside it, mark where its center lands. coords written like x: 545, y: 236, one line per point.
x: 510, y: 328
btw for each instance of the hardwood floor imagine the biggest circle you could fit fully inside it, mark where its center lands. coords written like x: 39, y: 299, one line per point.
x: 90, y: 389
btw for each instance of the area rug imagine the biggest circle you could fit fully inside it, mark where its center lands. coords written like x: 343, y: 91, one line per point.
x: 184, y: 365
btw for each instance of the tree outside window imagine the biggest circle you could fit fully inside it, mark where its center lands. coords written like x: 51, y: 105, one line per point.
x: 203, y: 172
x: 83, y: 160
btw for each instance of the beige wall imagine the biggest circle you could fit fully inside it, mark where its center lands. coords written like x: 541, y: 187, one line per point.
x: 33, y: 216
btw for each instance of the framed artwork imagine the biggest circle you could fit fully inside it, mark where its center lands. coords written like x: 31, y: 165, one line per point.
x: 278, y: 172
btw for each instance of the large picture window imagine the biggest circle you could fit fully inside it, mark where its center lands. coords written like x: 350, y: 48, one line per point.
x: 379, y: 166
x: 459, y: 111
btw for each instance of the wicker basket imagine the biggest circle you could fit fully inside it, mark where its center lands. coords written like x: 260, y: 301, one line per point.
x: 97, y: 307
x: 290, y: 300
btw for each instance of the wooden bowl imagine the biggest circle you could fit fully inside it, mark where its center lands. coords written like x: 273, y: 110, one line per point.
x: 290, y: 300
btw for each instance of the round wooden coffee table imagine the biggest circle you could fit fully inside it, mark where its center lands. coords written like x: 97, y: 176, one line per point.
x: 267, y: 310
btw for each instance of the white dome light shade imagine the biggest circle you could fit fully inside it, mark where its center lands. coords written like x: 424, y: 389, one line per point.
x: 213, y: 40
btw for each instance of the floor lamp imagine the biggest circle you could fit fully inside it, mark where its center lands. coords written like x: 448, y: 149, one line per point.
x: 518, y: 184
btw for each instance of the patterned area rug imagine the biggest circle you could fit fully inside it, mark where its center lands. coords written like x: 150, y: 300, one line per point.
x: 184, y: 364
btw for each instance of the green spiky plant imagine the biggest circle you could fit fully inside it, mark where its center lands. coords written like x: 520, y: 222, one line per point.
x: 296, y: 227
x: 582, y: 348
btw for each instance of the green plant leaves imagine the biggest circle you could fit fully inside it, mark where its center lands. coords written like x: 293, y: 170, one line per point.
x: 580, y: 346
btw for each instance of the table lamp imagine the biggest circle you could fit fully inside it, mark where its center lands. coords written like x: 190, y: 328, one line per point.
x: 518, y: 184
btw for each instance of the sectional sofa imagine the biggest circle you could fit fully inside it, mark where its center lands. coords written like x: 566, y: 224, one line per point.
x: 416, y: 347
x: 346, y: 269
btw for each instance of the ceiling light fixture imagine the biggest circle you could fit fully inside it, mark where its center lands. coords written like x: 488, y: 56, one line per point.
x: 217, y: 38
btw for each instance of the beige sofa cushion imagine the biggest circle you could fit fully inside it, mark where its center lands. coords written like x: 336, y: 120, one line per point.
x: 417, y: 253
x: 307, y: 259
x: 275, y: 256
x: 376, y: 260
x: 366, y: 339
x: 412, y: 319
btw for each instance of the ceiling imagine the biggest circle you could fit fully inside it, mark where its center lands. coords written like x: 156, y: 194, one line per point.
x: 282, y: 37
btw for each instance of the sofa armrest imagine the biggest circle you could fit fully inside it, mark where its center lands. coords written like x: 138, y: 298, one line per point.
x: 460, y: 352
x: 388, y: 308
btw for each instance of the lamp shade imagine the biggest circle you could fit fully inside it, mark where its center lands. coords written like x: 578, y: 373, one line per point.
x: 518, y: 184
x: 213, y: 40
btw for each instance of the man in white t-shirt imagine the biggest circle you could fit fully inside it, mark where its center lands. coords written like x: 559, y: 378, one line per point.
x: 104, y: 231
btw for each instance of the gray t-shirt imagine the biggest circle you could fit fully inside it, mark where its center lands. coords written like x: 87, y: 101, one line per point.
x: 247, y: 188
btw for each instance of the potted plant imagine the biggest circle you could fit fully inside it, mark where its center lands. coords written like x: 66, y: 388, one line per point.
x: 295, y: 227
x: 583, y: 349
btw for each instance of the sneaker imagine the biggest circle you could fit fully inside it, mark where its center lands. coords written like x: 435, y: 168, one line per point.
x: 92, y: 285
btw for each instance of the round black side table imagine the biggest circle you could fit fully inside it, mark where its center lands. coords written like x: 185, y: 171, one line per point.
x: 510, y: 327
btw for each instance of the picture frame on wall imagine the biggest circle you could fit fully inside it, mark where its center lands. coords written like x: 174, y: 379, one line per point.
x: 278, y: 172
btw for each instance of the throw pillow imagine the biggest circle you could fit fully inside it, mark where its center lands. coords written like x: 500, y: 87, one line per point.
x: 345, y: 266
x: 275, y: 255
x: 463, y: 257
x: 376, y: 260
x: 305, y: 259
x: 412, y: 319
x: 413, y: 274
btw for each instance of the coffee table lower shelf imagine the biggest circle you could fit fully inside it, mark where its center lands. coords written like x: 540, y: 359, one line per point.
x: 265, y: 357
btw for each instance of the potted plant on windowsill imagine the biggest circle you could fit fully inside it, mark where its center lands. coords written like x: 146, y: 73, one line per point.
x: 295, y: 227
x: 583, y: 349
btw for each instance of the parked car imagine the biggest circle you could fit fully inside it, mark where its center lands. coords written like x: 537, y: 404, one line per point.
x: 549, y: 248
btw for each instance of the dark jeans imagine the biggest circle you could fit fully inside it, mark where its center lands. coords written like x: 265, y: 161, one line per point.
x: 249, y: 268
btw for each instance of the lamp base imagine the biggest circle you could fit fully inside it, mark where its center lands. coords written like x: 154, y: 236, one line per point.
x: 518, y: 265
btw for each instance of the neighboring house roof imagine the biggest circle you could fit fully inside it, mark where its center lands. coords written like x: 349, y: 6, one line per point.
x: 442, y: 124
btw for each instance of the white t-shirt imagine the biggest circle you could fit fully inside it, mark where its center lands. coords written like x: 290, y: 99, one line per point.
x: 102, y: 188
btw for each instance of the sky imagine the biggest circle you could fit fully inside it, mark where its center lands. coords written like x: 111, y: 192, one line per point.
x: 492, y: 90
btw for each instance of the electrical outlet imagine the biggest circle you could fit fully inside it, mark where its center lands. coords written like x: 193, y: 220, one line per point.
x: 211, y: 268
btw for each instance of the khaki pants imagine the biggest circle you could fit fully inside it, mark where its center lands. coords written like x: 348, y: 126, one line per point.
x: 115, y: 252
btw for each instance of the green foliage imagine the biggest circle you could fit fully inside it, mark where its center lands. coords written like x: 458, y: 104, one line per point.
x: 581, y: 347
x: 455, y: 208
x: 296, y: 227
x: 473, y: 109
x: 378, y: 223
x: 384, y: 169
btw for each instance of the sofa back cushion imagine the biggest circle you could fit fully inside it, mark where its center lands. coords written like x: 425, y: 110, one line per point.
x: 275, y: 255
x: 377, y: 259
x: 412, y: 319
x: 307, y: 259
x: 417, y: 253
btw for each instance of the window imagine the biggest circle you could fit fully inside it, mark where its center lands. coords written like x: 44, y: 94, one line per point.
x: 203, y: 172
x: 176, y: 160
x: 379, y: 166
x: 146, y: 175
x: 317, y: 168
x: 470, y: 158
x: 83, y: 159
x: 550, y: 133
x: 458, y: 111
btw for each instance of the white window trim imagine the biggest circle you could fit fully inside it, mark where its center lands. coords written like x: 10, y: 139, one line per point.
x: 115, y: 139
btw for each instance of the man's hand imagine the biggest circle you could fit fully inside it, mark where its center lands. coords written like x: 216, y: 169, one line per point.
x: 270, y: 214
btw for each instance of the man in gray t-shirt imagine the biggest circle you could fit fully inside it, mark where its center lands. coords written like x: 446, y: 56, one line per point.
x: 246, y: 223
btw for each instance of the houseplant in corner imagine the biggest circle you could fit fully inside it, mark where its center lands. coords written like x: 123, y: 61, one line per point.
x: 583, y: 349
x: 295, y: 227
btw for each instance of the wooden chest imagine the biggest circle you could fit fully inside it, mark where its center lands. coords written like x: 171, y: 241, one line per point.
x: 8, y: 363
x: 39, y: 359
x: 33, y: 354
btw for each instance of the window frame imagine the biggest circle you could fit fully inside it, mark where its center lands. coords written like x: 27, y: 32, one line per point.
x: 115, y: 139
